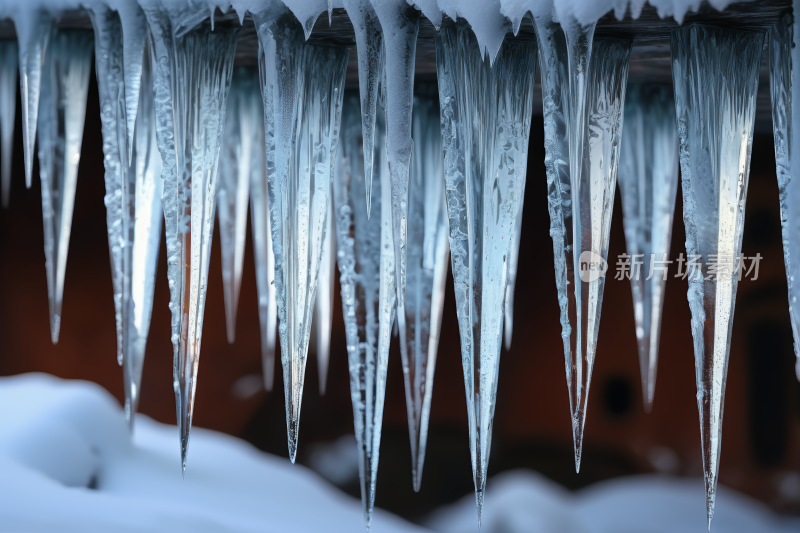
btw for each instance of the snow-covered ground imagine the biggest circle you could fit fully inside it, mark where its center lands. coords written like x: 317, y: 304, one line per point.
x: 58, y: 438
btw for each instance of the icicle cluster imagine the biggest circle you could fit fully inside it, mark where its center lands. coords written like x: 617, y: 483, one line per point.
x: 441, y: 173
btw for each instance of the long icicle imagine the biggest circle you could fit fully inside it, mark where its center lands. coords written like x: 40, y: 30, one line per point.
x: 133, y: 202
x: 262, y: 237
x: 428, y: 259
x: 238, y: 161
x: 366, y: 264
x: 565, y: 54
x: 62, y: 111
x: 784, y: 53
x: 369, y: 46
x: 9, y: 55
x: 323, y: 307
x: 715, y: 78
x: 400, y: 24
x: 511, y: 283
x: 302, y: 87
x: 192, y: 75
x: 648, y: 183
x: 485, y: 121
x: 34, y: 30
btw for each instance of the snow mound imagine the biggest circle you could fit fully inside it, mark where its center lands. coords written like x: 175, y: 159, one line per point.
x: 523, y: 501
x: 68, y: 464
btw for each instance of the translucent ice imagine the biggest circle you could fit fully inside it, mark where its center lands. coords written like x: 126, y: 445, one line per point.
x: 133, y: 201
x: 34, y: 29
x: 301, y: 86
x: 192, y: 70
x: 323, y: 308
x: 715, y: 77
x: 513, y: 260
x: 428, y: 259
x: 366, y: 264
x: 485, y: 122
x: 648, y: 182
x: 400, y: 24
x: 8, y: 111
x: 369, y: 45
x: 62, y: 110
x: 239, y: 160
x: 783, y: 55
x: 583, y: 109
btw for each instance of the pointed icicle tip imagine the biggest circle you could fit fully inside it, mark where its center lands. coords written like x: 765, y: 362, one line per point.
x: 479, y: 505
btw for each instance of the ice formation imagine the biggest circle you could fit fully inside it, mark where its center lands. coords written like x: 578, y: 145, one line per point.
x: 400, y: 23
x: 648, y: 183
x: 715, y: 77
x: 583, y: 90
x: 192, y: 68
x: 34, y: 29
x: 366, y: 263
x: 62, y: 110
x: 323, y: 307
x: 133, y: 200
x: 485, y: 121
x: 419, y: 321
x: 262, y: 236
x: 302, y: 88
x: 783, y: 54
x: 8, y: 111
x: 239, y: 164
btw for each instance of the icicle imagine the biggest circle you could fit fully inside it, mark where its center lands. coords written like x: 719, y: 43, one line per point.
x: 133, y: 203
x: 262, y: 237
x: 783, y: 54
x: 62, y: 110
x: 34, y: 30
x: 513, y: 260
x: 428, y: 259
x: 715, y: 75
x: 192, y: 75
x: 400, y: 24
x: 8, y: 111
x: 485, y: 121
x: 323, y: 308
x: 301, y: 85
x: 648, y: 182
x: 366, y: 264
x: 134, y: 35
x: 239, y: 160
x: 369, y: 45
x: 565, y: 54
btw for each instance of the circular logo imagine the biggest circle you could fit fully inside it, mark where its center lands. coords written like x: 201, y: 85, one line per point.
x: 592, y: 266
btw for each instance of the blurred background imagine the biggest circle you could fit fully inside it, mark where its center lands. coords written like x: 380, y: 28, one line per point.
x: 761, y: 434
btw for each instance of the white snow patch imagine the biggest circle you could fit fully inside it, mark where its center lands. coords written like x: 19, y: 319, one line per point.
x: 59, y: 437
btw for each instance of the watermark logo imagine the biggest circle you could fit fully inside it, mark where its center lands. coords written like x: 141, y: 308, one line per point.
x: 593, y: 266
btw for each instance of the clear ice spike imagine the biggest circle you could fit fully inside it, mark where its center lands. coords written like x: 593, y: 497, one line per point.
x: 400, y: 25
x: 9, y: 56
x: 302, y: 87
x: 583, y: 109
x: 485, y: 123
x: 783, y: 54
x: 191, y: 78
x: 323, y: 308
x: 366, y: 264
x: 62, y: 110
x: 239, y: 160
x: 134, y: 37
x: 133, y: 202
x: 715, y: 78
x: 511, y: 282
x: 34, y: 29
x: 648, y: 183
x: 369, y: 45
x: 262, y: 236
x: 420, y: 320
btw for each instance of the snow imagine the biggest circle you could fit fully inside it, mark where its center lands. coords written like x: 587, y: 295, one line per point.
x: 57, y: 436
x: 523, y: 501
